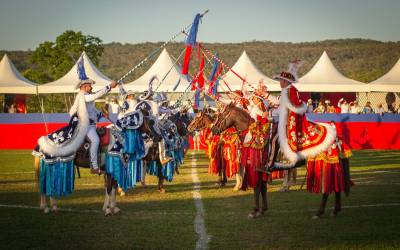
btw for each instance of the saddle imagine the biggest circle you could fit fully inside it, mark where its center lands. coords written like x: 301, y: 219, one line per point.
x: 82, y: 156
x: 104, y: 134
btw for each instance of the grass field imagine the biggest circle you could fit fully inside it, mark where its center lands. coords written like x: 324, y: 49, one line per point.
x: 370, y: 217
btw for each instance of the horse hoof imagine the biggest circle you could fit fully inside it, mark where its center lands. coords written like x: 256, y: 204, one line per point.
x: 254, y: 215
x: 316, y: 217
x: 108, y: 212
x: 46, y: 210
x: 334, y: 214
x: 162, y: 191
x: 54, y: 209
x: 116, y: 210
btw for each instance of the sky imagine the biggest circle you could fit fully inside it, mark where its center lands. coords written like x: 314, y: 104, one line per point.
x: 24, y: 24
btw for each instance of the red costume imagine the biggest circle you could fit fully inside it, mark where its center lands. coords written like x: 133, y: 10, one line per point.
x: 327, y: 172
x: 298, y: 137
x: 230, y: 146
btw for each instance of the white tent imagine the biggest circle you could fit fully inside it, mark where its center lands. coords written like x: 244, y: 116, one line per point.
x: 390, y: 82
x: 163, y: 67
x: 324, y: 77
x: 246, y: 69
x: 67, y: 83
x: 383, y: 87
x: 11, y: 81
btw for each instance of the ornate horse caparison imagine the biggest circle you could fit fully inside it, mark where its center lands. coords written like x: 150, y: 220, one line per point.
x: 232, y: 116
x: 82, y: 160
x: 203, y: 121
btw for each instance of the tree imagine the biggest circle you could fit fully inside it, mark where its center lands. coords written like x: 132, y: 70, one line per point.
x: 54, y: 59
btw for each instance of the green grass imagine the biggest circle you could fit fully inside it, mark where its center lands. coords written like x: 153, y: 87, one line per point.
x: 152, y: 220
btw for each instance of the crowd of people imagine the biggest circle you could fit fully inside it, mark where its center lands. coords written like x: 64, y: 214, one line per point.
x: 321, y: 106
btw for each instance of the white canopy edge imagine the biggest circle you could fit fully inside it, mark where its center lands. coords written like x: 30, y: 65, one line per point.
x: 324, y: 77
x: 245, y: 67
x: 67, y: 83
x: 390, y: 82
x: 164, y: 66
x: 11, y: 80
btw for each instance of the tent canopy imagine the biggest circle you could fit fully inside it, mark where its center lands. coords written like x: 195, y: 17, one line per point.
x: 11, y: 81
x: 67, y: 83
x: 246, y: 69
x: 390, y: 82
x: 324, y: 77
x: 164, y: 66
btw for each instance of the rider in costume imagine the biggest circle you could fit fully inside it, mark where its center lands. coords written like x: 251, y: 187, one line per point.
x: 95, y: 115
x: 298, y: 137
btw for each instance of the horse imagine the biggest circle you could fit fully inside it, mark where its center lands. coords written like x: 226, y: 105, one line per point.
x: 152, y: 159
x: 253, y: 151
x: 82, y: 159
x: 203, y: 121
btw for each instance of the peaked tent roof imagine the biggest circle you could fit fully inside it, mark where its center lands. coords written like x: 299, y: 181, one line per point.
x: 67, y: 83
x: 160, y: 68
x: 390, y: 82
x: 246, y: 69
x: 324, y: 77
x: 11, y: 81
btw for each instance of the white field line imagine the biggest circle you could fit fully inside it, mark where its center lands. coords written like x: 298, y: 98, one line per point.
x: 72, y: 210
x: 22, y: 172
x: 199, y: 224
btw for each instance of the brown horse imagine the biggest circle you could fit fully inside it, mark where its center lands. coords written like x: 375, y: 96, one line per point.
x: 204, y: 120
x: 232, y: 116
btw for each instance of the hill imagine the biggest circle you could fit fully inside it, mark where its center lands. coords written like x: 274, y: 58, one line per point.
x: 360, y: 59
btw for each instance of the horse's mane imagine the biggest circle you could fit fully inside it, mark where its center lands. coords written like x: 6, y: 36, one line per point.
x: 242, y: 112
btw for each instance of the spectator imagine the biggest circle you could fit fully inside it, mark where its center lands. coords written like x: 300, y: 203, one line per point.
x: 380, y: 110
x: 321, y: 108
x: 343, y: 105
x: 113, y: 105
x: 355, y: 108
x: 391, y: 108
x: 310, y: 107
x: 12, y: 109
x: 329, y: 107
x: 368, y: 109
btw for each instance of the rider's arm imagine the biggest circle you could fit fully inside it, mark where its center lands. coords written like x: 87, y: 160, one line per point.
x: 98, y: 94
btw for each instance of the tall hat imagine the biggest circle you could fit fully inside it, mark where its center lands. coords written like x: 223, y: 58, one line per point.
x: 291, y: 74
x: 83, y: 79
x: 148, y: 93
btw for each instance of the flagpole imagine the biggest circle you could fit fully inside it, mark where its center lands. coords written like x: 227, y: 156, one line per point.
x: 157, y: 50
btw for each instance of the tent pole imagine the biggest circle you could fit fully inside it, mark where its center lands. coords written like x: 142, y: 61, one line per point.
x: 65, y: 102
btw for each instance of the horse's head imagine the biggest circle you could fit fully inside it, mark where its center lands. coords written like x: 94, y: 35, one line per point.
x: 231, y: 116
x: 179, y: 121
x: 149, y: 127
x: 201, y: 121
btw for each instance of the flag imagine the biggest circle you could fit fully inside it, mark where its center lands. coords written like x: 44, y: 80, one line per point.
x: 190, y: 43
